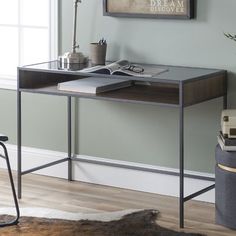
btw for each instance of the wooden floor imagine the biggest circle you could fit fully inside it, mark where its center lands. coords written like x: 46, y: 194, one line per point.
x: 41, y: 191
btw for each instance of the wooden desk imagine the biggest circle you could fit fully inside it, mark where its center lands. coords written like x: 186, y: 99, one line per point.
x: 179, y: 87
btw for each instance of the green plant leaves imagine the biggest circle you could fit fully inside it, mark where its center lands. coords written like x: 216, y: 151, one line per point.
x: 230, y: 36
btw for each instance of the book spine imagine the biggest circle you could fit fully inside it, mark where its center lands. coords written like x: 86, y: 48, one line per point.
x: 227, y: 141
x: 224, y: 147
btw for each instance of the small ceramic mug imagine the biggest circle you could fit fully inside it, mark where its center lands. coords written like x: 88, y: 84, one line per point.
x: 98, y: 53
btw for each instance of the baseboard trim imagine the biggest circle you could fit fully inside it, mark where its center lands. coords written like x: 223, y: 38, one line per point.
x: 122, y: 174
x: 143, y: 167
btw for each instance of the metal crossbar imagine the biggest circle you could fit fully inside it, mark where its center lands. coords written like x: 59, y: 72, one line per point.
x: 198, y: 193
x: 44, y: 166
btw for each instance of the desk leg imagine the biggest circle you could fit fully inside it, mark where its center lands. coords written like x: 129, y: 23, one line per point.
x: 69, y: 139
x: 19, y: 170
x: 181, y: 158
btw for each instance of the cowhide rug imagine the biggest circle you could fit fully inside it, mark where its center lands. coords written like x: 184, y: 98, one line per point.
x: 123, y: 223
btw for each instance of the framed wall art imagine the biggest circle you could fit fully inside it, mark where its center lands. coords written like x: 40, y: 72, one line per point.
x: 167, y: 9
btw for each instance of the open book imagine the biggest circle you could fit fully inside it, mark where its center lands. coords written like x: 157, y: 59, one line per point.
x: 124, y: 67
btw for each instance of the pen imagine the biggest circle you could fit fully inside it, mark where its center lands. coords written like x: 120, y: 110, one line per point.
x: 102, y: 41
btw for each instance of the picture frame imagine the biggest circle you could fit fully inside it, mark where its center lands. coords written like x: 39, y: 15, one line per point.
x: 160, y: 9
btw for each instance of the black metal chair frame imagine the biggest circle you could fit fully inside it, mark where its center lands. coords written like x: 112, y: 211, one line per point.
x: 5, y: 156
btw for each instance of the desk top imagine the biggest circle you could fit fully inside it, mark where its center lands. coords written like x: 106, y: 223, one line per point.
x: 194, y: 85
x: 174, y: 74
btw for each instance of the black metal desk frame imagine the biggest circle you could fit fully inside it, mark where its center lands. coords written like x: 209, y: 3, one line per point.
x: 28, y: 82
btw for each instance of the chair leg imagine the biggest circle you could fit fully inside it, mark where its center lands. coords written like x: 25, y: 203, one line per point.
x: 15, y: 221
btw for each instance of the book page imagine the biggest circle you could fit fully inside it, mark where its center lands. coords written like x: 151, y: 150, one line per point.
x: 115, y: 66
x: 108, y: 69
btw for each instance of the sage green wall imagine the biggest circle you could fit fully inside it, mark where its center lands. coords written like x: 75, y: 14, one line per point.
x: 131, y: 132
x: 43, y: 120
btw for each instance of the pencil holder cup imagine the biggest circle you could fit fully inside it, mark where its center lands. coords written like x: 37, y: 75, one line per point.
x: 98, y: 53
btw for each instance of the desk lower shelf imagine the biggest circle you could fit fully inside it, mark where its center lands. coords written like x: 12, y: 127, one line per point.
x: 141, y: 94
